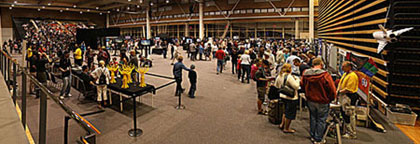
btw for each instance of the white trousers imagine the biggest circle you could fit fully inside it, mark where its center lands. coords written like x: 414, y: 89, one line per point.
x: 102, y: 90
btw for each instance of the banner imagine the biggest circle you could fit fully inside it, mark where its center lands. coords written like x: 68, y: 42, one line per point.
x: 365, y: 69
x: 364, y: 82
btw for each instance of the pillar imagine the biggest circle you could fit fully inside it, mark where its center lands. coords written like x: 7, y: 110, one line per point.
x: 187, y: 33
x: 311, y: 20
x: 148, y: 33
x: 282, y: 32
x: 107, y: 21
x: 297, y: 29
x: 144, y: 31
x: 201, y: 23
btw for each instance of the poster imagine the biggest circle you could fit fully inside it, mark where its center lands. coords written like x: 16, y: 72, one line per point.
x: 364, y: 82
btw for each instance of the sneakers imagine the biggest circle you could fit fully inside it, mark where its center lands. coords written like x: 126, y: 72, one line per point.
x: 69, y: 95
x: 349, y: 136
x: 321, y: 142
x: 61, y: 97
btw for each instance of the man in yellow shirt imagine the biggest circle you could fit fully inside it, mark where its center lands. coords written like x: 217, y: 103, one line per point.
x: 78, y: 57
x: 347, y: 89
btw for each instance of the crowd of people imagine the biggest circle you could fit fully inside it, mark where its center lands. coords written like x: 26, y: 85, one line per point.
x: 290, y: 66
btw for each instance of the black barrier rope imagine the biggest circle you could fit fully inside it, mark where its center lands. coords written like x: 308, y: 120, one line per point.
x: 161, y: 76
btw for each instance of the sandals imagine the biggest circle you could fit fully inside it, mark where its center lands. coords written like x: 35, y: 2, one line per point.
x: 289, y: 131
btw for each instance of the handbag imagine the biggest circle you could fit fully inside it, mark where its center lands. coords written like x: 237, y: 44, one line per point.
x: 273, y: 93
x: 287, y: 90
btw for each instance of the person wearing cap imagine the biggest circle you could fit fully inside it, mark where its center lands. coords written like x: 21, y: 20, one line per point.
x: 177, y: 72
x: 192, y: 75
x: 99, y: 72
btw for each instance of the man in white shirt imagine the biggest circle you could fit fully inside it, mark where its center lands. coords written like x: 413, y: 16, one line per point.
x: 101, y: 76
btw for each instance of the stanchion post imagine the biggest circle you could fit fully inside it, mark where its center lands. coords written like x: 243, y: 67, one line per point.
x: 14, y: 83
x: 135, y: 132
x: 8, y: 73
x: 66, y: 129
x: 24, y: 98
x: 43, y: 118
x: 179, y: 106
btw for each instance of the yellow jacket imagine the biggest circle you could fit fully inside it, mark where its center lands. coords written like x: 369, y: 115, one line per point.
x: 78, y: 54
x: 349, y: 82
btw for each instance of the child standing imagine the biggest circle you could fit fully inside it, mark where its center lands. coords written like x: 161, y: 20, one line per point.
x: 192, y: 75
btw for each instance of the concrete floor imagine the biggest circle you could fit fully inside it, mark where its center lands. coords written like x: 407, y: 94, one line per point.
x: 223, y: 112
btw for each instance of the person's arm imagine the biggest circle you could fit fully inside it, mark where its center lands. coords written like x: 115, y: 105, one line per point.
x: 331, y: 84
x: 185, y: 68
x: 293, y: 82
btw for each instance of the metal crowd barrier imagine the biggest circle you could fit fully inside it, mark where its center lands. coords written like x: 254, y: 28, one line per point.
x: 9, y: 65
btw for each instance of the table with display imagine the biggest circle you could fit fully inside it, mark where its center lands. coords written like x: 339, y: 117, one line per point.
x: 132, y: 92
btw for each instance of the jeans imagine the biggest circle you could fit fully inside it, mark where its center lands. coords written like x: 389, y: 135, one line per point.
x: 246, y: 69
x: 65, y: 90
x: 164, y: 53
x: 318, y: 116
x: 219, y: 66
x: 348, y: 112
x: 178, y: 90
x: 234, y: 64
x: 193, y: 87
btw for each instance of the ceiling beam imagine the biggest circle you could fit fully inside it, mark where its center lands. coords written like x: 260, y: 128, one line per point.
x: 111, y: 6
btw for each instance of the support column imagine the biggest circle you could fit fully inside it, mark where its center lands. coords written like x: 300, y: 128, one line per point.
x: 107, y: 21
x: 177, y: 31
x: 255, y: 32
x: 201, y: 23
x: 148, y: 33
x: 311, y: 20
x: 187, y: 33
x: 231, y: 31
x: 144, y: 31
x: 297, y: 29
x: 282, y: 32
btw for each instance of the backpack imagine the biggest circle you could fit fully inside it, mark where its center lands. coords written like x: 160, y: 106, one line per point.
x: 102, y: 79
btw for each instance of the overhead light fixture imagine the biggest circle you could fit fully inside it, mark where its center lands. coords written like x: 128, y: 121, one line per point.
x: 39, y: 9
x: 61, y: 10
x: 151, y: 4
x: 128, y: 8
x: 141, y: 1
x: 49, y: 4
x: 88, y: 10
x: 81, y: 12
x: 118, y: 10
x: 74, y: 6
x: 43, y: 7
x: 108, y: 11
x: 100, y: 13
x: 129, y: 0
x: 13, y: 5
x: 67, y: 8
x: 167, y: 1
x: 138, y: 6
x: 10, y: 8
x: 97, y: 8
x: 15, y: 2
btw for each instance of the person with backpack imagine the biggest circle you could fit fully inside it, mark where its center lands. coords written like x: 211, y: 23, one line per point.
x: 285, y: 79
x: 320, y: 90
x: 65, y: 67
x: 102, y: 76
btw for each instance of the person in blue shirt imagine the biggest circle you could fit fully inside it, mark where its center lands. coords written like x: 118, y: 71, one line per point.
x: 177, y: 71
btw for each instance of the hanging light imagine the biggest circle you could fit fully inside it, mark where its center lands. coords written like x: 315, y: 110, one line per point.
x: 100, y: 13
x: 67, y: 8
x: 167, y: 1
x: 61, y: 10
x: 129, y: 0
x: 13, y: 5
x: 151, y: 3
x: 128, y: 8
x: 10, y: 8
x: 118, y: 10
x: 15, y: 2
x: 97, y: 8
x: 81, y: 12
x: 74, y: 6
x: 88, y: 10
x: 43, y: 7
x: 141, y: 1
x: 39, y: 9
x: 49, y: 4
x: 138, y: 6
x: 108, y: 11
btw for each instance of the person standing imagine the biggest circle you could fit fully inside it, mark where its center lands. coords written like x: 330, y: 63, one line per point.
x: 102, y: 76
x: 135, y: 62
x: 234, y: 60
x: 192, y: 75
x: 41, y: 70
x: 246, y: 66
x: 164, y: 46
x: 261, y: 76
x: 78, y: 57
x: 286, y: 79
x: 347, y: 97
x: 65, y: 67
x: 220, y: 55
x: 193, y: 51
x: 177, y: 72
x: 201, y: 50
x: 320, y: 91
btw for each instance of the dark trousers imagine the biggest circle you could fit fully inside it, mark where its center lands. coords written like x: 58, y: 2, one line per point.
x: 193, y: 56
x: 172, y: 54
x: 239, y: 71
x: 78, y: 62
x: 234, y: 65
x: 246, y: 69
x: 178, y: 90
x: 164, y: 53
x: 193, y: 87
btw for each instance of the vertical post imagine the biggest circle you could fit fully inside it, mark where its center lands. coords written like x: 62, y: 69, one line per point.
x: 42, y: 117
x: 8, y: 74
x: 201, y: 23
x: 311, y: 20
x: 282, y: 33
x: 148, y: 33
x: 297, y: 29
x: 187, y: 33
x: 135, y: 132
x: 256, y: 31
x: 24, y: 98
x: 14, y: 83
x: 66, y: 129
